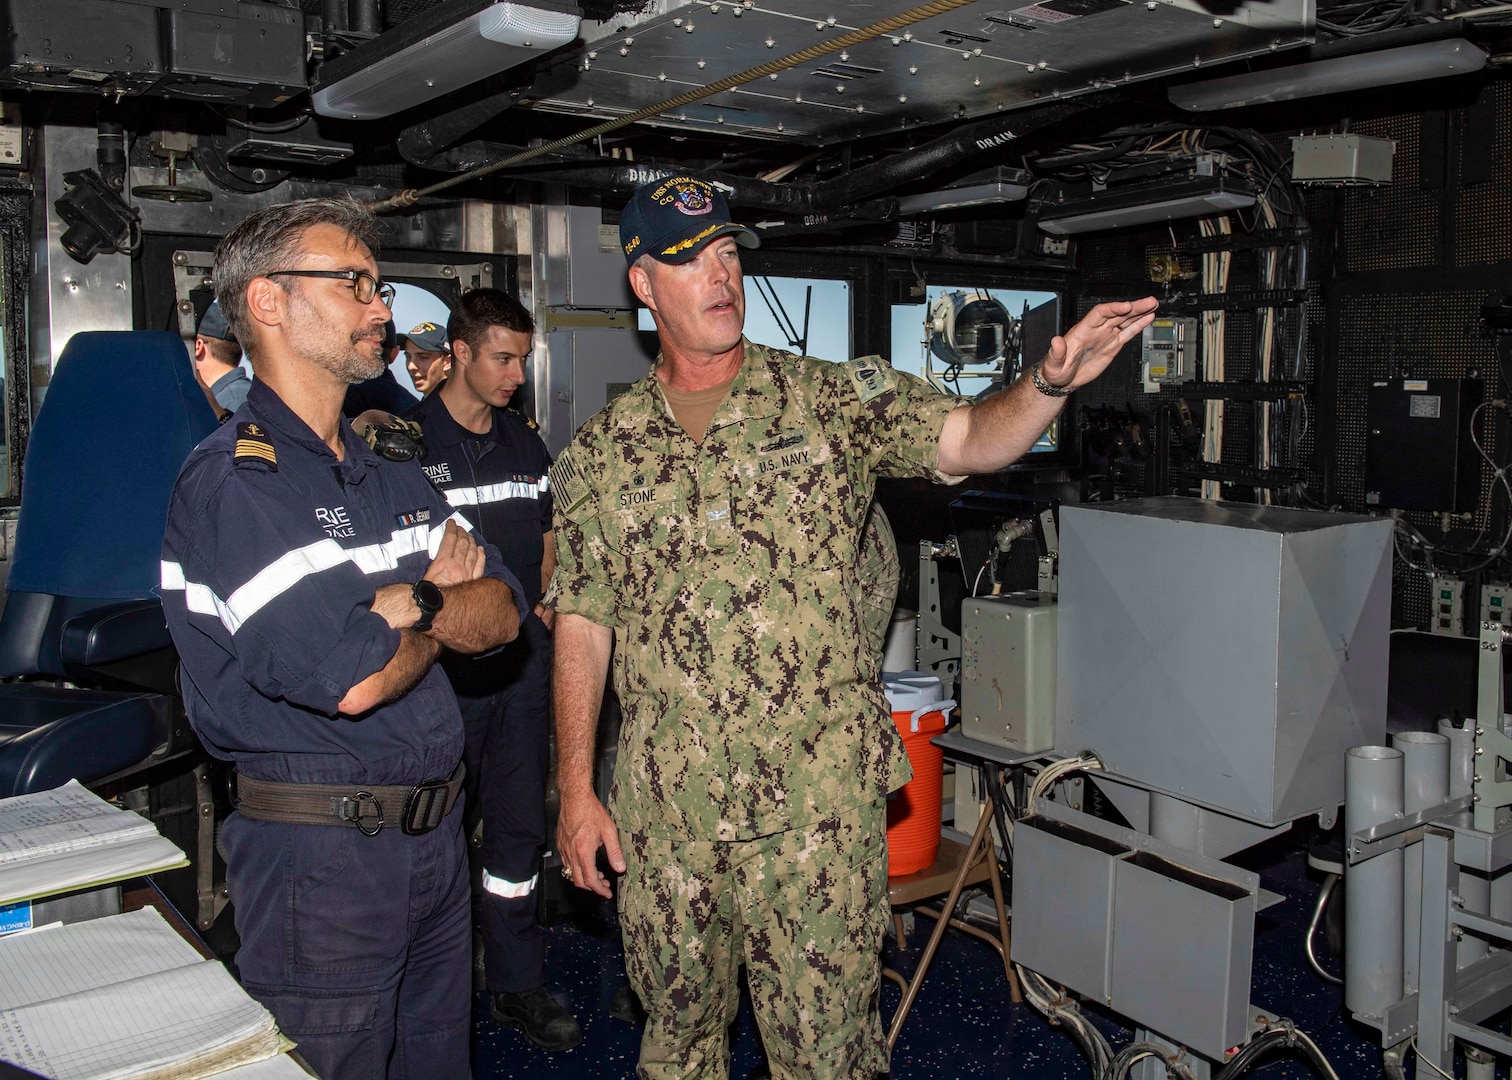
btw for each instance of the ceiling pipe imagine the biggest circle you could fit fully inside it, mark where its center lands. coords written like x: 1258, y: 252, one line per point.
x: 611, y: 176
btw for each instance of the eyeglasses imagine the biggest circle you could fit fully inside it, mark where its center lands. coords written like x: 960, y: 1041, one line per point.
x: 364, y: 285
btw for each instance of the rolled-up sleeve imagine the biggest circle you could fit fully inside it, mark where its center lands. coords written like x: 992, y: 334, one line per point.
x: 900, y: 420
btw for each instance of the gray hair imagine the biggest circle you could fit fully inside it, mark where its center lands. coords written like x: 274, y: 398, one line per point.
x: 267, y: 239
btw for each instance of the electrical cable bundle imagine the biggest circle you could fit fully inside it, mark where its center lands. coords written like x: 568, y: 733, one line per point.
x: 1283, y: 1035
x: 1060, y: 1009
x: 1053, y: 772
x: 1138, y: 1051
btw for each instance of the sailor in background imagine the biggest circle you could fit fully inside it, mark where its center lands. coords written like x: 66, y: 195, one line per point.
x: 217, y: 362
x: 490, y: 463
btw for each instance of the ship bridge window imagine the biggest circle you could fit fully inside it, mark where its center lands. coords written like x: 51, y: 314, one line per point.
x: 414, y: 305
x: 1033, y: 319
x: 800, y: 314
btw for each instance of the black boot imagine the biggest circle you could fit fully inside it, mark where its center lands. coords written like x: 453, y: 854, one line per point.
x: 539, y: 1016
x: 627, y: 1007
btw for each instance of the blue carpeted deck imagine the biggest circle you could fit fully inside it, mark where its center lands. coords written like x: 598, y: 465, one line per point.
x: 963, y: 1024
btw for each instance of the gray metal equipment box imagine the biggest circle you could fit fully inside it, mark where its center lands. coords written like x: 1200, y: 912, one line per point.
x: 1163, y: 936
x: 1225, y: 654
x: 1341, y: 159
x: 1008, y: 670
x: 1063, y: 902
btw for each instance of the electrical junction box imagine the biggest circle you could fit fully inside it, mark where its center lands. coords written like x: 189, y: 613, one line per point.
x: 1341, y: 160
x: 1234, y: 670
x: 1168, y: 353
x: 1447, y: 613
x: 1496, y: 603
x: 1008, y: 670
x: 12, y: 145
x: 1418, y: 451
x: 228, y: 51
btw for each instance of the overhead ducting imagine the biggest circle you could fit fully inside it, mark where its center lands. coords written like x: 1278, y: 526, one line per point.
x: 841, y: 194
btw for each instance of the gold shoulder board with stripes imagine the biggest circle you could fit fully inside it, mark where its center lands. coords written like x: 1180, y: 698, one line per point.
x: 254, y: 444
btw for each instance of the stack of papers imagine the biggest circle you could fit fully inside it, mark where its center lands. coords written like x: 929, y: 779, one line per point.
x: 126, y: 996
x: 70, y: 838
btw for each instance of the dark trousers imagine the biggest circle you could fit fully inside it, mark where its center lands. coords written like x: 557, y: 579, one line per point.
x: 358, y: 945
x: 506, y: 713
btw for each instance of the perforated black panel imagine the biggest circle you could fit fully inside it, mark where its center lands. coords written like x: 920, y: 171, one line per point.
x: 1397, y: 225
x: 1406, y: 335
x: 1481, y: 232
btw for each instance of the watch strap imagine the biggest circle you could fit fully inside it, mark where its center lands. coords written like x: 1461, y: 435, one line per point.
x: 1044, y: 385
x: 427, y: 611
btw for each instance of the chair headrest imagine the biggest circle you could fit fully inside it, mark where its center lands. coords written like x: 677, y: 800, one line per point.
x: 121, y: 413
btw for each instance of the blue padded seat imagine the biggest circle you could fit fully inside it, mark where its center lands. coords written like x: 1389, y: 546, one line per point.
x: 49, y: 734
x: 121, y: 414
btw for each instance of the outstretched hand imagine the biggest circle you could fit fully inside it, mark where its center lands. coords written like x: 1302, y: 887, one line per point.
x: 1090, y: 346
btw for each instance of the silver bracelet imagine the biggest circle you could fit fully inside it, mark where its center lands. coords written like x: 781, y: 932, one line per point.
x: 1043, y: 385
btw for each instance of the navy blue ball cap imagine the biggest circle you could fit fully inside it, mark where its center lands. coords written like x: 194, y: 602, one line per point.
x: 428, y: 337
x: 214, y: 325
x: 673, y: 219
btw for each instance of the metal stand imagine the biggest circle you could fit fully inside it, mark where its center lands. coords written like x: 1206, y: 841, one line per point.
x: 939, y: 649
x: 1465, y: 842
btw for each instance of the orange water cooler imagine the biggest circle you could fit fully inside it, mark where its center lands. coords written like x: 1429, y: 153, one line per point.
x: 913, y: 814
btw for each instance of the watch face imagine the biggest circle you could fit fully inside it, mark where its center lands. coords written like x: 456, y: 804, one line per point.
x: 428, y: 595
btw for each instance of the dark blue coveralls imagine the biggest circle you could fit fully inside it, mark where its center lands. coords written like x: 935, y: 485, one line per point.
x: 498, y: 481
x: 359, y: 945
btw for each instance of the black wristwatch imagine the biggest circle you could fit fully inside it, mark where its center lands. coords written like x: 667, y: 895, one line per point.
x: 429, y: 599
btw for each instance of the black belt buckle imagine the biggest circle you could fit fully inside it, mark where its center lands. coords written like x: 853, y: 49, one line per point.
x: 425, y: 807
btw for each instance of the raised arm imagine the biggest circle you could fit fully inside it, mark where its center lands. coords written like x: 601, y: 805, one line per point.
x: 994, y: 433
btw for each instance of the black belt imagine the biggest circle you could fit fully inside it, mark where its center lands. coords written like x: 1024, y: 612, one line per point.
x: 420, y: 807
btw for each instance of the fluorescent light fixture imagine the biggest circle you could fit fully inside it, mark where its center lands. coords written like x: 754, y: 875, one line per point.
x: 996, y: 185
x: 955, y: 198
x: 499, y: 37
x: 1335, y: 75
x: 1146, y: 204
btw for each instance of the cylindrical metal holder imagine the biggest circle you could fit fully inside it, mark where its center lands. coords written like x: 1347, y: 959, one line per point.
x: 1372, y: 889
x: 1479, y: 1064
x: 1474, y: 887
x: 1425, y: 783
x: 1175, y: 822
x: 1461, y: 755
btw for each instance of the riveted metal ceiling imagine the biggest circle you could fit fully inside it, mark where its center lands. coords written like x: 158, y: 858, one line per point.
x: 986, y: 57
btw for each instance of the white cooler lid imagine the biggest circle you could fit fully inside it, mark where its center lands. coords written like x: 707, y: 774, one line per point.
x: 910, y: 690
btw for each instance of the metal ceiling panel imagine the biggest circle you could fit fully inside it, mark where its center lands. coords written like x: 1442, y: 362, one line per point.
x: 986, y: 57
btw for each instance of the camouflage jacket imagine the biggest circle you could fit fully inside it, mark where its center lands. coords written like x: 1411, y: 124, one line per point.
x: 728, y: 570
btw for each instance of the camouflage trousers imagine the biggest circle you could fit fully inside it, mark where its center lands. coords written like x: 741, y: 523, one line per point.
x: 804, y: 910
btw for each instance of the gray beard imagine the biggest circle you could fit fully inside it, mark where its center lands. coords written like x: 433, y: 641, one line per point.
x: 352, y: 365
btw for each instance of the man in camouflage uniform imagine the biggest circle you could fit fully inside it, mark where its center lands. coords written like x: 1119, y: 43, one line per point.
x: 710, y: 517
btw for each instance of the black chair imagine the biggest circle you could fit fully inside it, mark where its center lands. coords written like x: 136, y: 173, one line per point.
x: 121, y: 414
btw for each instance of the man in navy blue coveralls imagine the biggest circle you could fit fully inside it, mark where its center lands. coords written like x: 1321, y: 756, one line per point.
x: 298, y: 571
x: 491, y: 465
